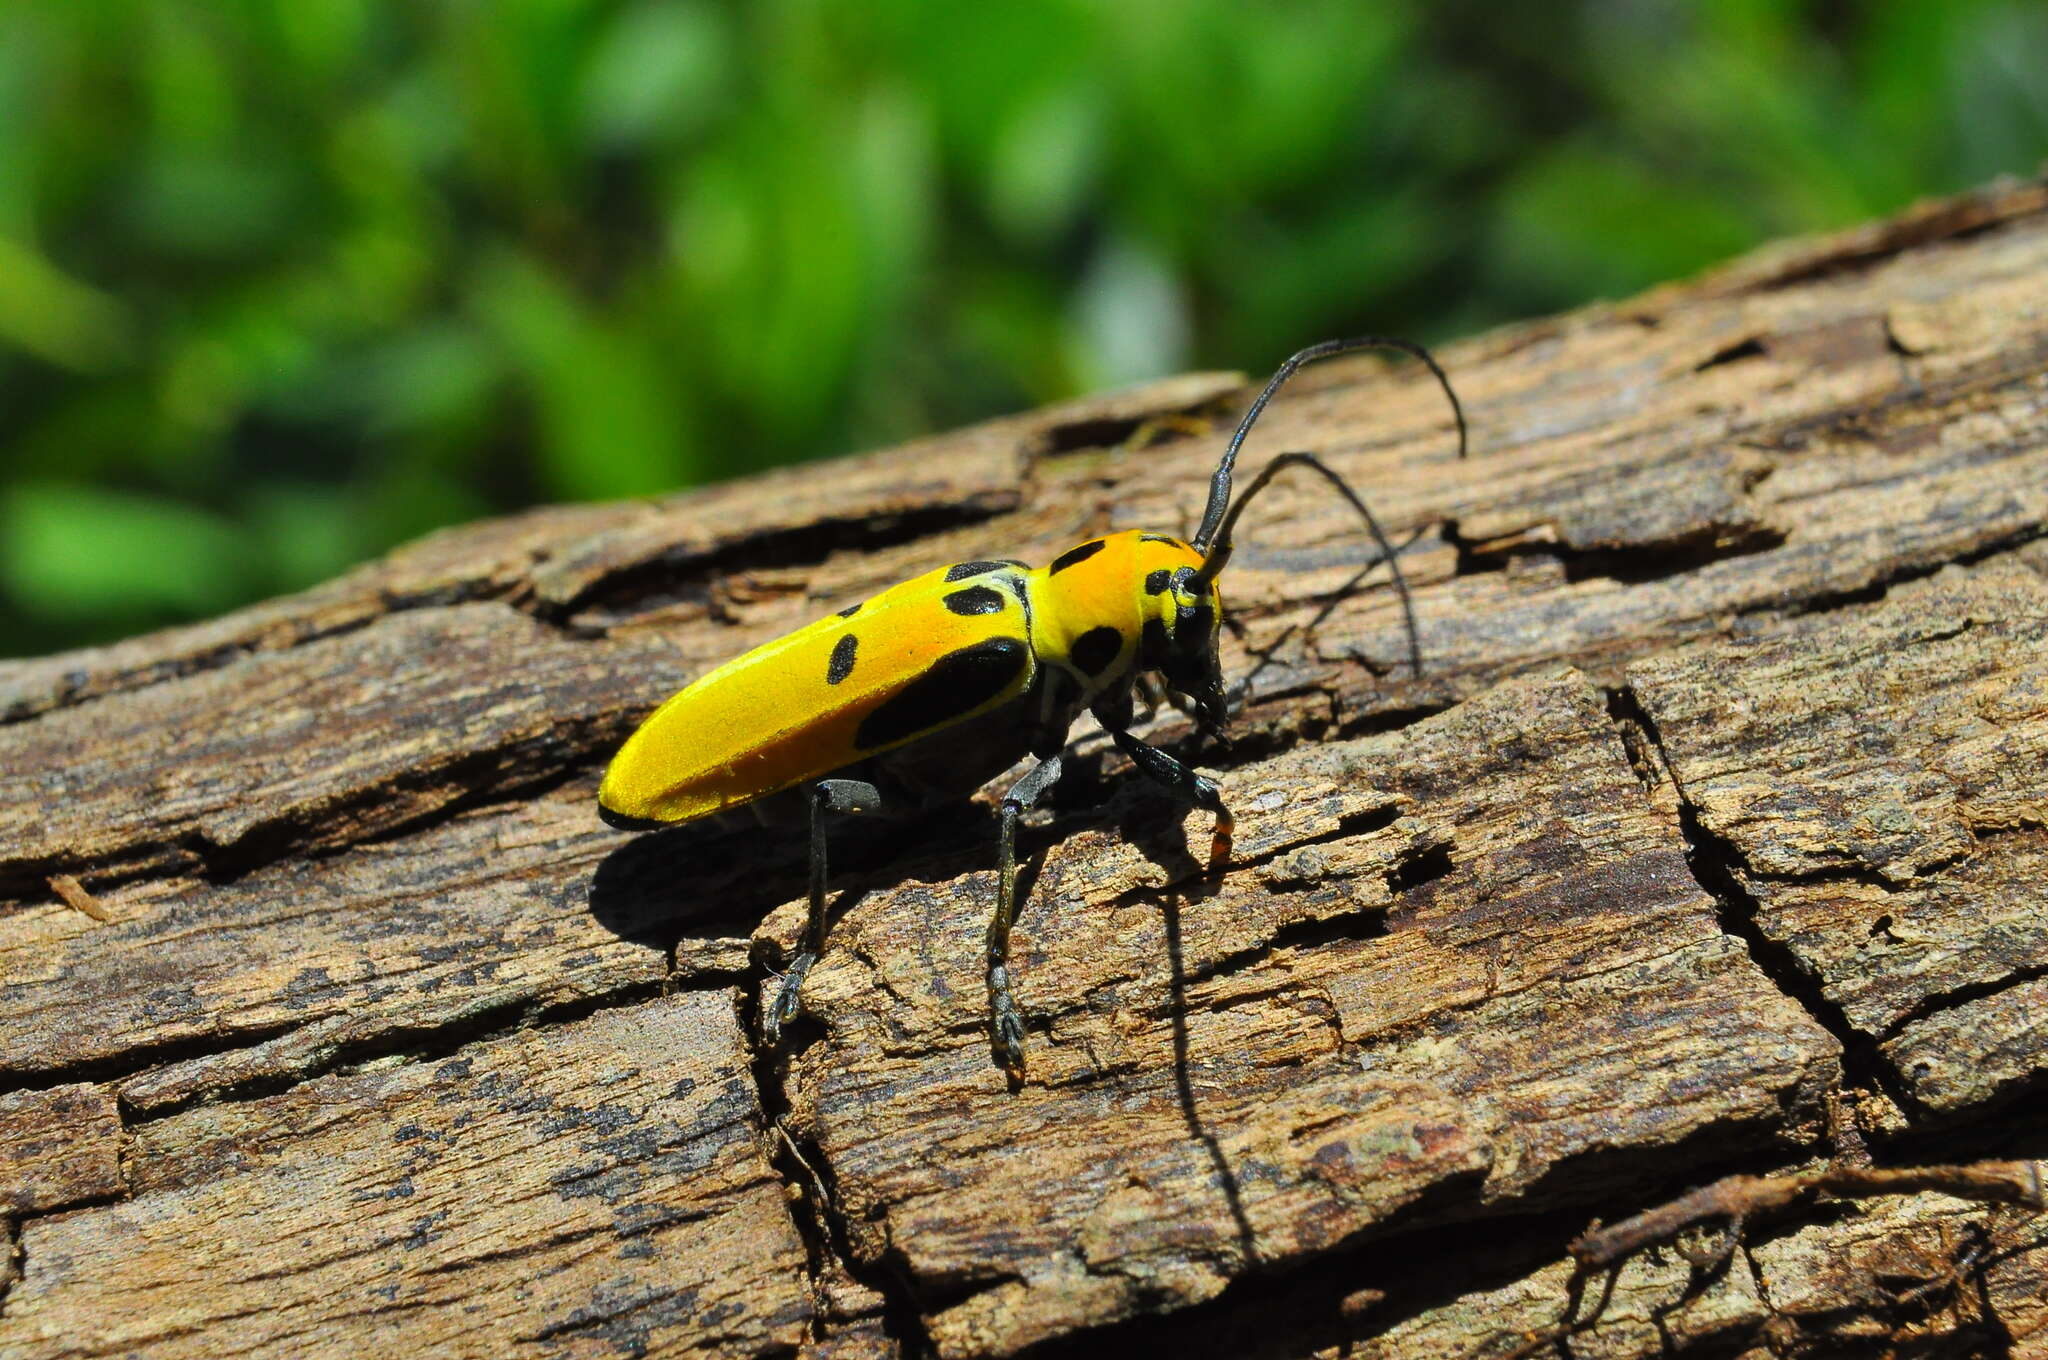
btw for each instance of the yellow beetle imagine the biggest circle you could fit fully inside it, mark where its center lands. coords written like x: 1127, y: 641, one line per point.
x: 996, y: 659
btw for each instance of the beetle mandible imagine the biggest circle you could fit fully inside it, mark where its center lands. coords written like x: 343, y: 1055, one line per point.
x: 993, y: 658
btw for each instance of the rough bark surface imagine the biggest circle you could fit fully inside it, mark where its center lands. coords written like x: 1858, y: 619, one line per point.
x: 1711, y: 841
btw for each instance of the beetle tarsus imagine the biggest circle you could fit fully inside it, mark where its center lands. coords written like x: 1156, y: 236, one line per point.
x: 1221, y: 840
x: 788, y: 1004
x: 1005, y: 1025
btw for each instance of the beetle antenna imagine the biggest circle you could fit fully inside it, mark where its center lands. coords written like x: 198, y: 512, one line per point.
x: 1221, y: 554
x: 1219, y: 482
x: 1219, y: 520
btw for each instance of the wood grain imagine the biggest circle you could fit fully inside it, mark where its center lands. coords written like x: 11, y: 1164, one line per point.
x: 1709, y: 842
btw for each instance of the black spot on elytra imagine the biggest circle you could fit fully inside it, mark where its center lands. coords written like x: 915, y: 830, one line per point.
x: 1075, y: 556
x: 850, y: 611
x: 966, y: 569
x: 1095, y: 649
x: 841, y: 664
x: 974, y: 600
x: 1157, y: 581
x: 950, y: 688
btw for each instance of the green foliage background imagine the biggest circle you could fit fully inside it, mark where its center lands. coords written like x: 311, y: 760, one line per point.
x: 282, y: 284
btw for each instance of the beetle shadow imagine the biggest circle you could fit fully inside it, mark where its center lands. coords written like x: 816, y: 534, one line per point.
x: 703, y: 881
x: 1266, y: 655
x: 1162, y: 840
x: 663, y: 887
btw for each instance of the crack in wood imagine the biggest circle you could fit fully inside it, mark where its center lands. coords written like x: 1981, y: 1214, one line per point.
x: 441, y: 1040
x: 1950, y: 999
x: 617, y: 593
x: 1713, y: 862
x: 806, y: 1173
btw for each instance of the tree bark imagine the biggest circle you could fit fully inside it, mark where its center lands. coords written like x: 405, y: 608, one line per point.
x: 1709, y: 844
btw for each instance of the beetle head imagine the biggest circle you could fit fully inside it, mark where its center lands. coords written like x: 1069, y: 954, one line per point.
x: 1183, y: 617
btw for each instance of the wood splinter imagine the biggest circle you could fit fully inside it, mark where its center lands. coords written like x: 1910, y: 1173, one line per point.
x: 78, y: 899
x: 1735, y: 1199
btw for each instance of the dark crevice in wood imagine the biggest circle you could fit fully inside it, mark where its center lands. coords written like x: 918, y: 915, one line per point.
x: 2018, y: 1129
x: 1643, y: 563
x: 809, y: 1181
x: 431, y: 1042
x: 1418, y: 866
x: 1348, y: 826
x: 624, y: 591
x: 301, y: 634
x: 1360, y: 923
x: 1878, y: 590
x: 1925, y: 406
x: 546, y: 777
x: 1955, y: 220
x: 1101, y: 433
x: 1380, y: 721
x: 1932, y: 1005
x: 142, y: 1056
x: 1714, y: 864
x: 1417, y: 870
x: 687, y: 574
x: 13, y: 1262
x: 1418, y: 1272
x: 1752, y: 348
x: 1664, y: 561
x: 507, y: 774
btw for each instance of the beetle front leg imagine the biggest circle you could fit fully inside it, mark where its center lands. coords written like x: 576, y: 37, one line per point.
x: 1184, y: 781
x: 827, y: 795
x: 1006, y: 1026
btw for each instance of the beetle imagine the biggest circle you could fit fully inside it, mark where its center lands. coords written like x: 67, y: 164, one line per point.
x: 924, y: 693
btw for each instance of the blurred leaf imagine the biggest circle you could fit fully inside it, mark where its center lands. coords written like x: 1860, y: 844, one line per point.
x: 56, y: 319
x: 67, y: 549
x: 306, y: 533
x: 211, y: 205
x: 1042, y: 166
x: 430, y: 377
x: 1607, y: 225
x: 655, y: 74
x: 191, y: 90
x: 1997, y: 95
x: 1132, y: 319
x: 610, y: 424
x: 328, y: 273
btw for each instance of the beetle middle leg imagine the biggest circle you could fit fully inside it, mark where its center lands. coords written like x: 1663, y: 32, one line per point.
x: 1006, y: 1026
x: 827, y: 795
x: 1184, y: 781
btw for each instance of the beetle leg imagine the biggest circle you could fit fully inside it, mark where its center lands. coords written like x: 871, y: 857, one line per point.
x: 1150, y: 695
x: 827, y: 795
x: 1006, y: 1026
x: 1181, y: 779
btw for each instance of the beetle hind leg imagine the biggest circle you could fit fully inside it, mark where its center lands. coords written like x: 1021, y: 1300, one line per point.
x: 1006, y: 1026
x: 1185, y: 782
x: 827, y: 795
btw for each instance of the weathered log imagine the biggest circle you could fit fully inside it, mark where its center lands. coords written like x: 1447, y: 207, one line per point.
x: 1711, y: 843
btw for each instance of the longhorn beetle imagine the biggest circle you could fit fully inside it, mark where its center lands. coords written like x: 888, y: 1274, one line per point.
x: 924, y: 693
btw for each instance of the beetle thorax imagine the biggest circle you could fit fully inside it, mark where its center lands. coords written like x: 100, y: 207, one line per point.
x: 1108, y: 607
